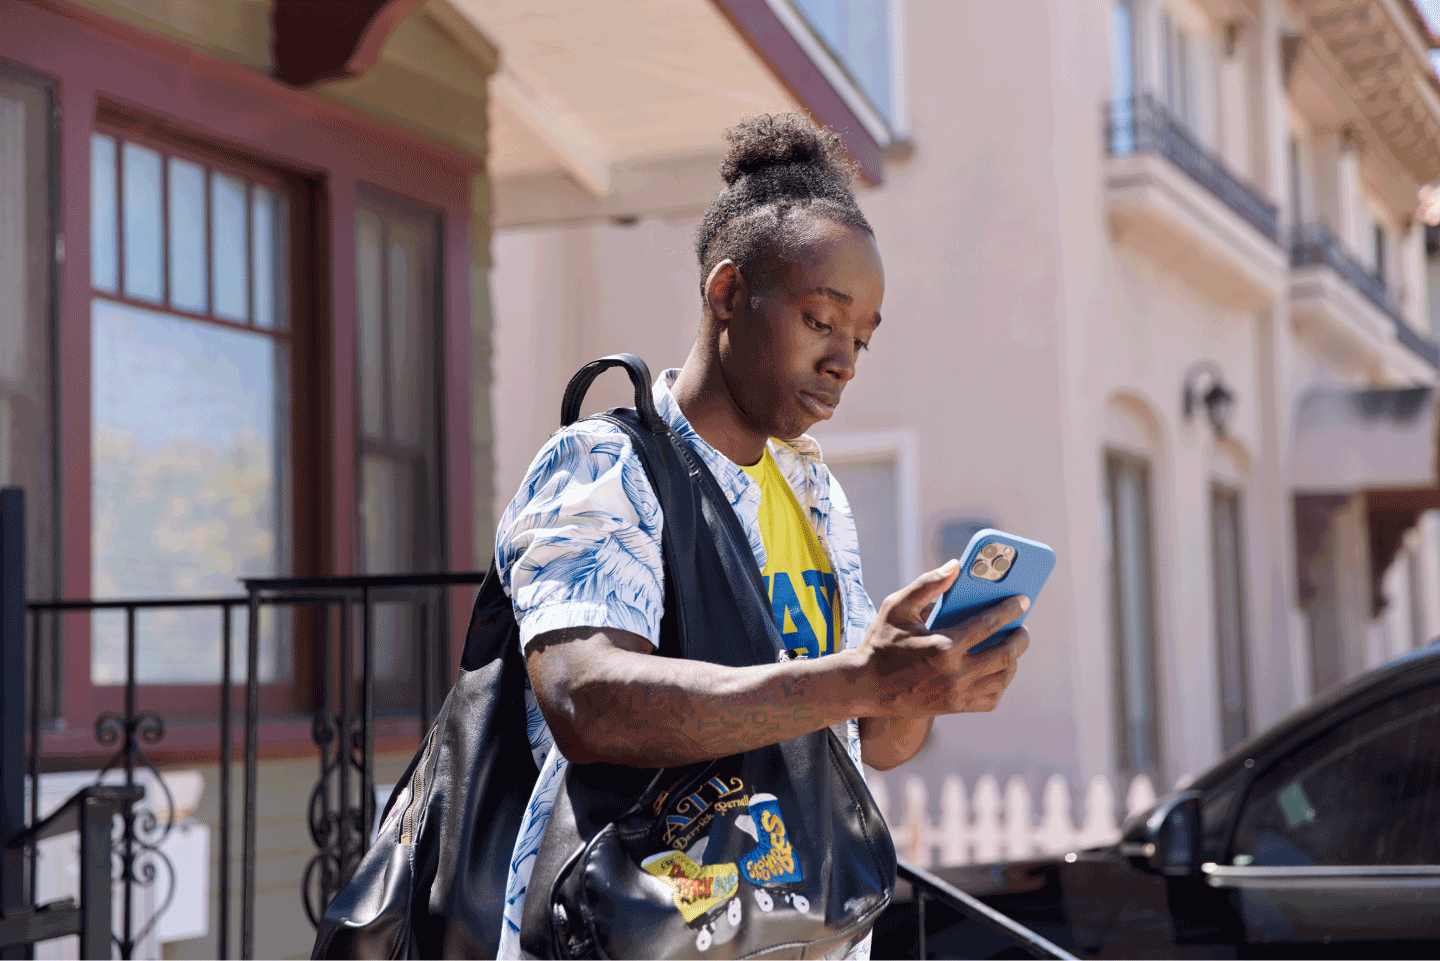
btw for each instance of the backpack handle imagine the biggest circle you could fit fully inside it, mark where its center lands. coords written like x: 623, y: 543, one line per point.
x: 639, y: 376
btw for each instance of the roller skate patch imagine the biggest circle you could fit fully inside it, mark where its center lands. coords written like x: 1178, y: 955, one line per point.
x: 698, y: 891
x: 771, y: 863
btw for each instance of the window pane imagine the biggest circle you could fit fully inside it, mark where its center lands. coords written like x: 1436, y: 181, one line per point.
x: 141, y: 216
x: 187, y: 482
x: 1133, y: 615
x: 370, y: 284
x: 857, y: 33
x: 1379, y: 253
x: 1366, y: 792
x: 268, y: 257
x: 104, y: 215
x: 398, y: 311
x: 187, y: 235
x: 1229, y: 616
x: 1122, y: 79
x: 872, y: 488
x: 410, y: 320
x: 387, y: 512
x: 227, y: 246
x: 1122, y: 46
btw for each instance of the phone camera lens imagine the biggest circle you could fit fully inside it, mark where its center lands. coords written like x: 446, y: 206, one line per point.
x: 1001, y: 564
x: 989, y: 551
x: 979, y: 569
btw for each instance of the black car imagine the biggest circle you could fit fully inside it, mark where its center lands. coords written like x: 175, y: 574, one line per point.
x: 1318, y: 837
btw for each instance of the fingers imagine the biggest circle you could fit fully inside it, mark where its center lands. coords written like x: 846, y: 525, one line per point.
x: 1002, y: 656
x: 910, y: 602
x: 984, y: 625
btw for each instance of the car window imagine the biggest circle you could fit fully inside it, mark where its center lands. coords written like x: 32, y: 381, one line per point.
x: 1367, y: 792
x: 1215, y: 813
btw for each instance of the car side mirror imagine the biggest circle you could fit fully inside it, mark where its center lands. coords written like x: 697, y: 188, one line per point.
x: 1168, y: 841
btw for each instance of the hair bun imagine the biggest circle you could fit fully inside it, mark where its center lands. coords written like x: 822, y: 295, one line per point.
x: 768, y: 141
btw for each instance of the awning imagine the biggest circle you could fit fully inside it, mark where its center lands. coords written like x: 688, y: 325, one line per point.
x: 1380, y: 443
x: 1352, y: 440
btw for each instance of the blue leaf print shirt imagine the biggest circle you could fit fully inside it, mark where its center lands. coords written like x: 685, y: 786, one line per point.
x: 579, y: 546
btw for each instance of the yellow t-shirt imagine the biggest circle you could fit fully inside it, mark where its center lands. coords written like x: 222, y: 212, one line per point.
x: 797, y: 573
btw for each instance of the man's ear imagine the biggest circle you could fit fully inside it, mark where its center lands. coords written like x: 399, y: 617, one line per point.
x: 725, y: 291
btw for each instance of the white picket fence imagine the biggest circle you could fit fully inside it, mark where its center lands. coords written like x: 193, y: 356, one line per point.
x: 991, y: 824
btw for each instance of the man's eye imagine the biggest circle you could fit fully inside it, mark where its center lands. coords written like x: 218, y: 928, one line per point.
x: 818, y: 325
x: 861, y: 345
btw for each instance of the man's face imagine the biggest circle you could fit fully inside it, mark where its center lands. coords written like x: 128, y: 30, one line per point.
x: 788, y: 352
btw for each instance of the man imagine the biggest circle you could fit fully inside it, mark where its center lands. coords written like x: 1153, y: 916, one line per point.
x: 791, y: 297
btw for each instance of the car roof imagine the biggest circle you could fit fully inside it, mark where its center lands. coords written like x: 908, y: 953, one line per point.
x: 1413, y: 668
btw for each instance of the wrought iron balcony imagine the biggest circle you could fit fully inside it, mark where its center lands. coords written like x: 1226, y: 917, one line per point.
x: 1143, y: 125
x: 1314, y: 246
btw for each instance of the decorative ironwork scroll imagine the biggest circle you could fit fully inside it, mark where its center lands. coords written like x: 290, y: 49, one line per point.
x: 139, y: 861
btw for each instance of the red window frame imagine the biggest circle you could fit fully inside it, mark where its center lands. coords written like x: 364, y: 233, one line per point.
x: 106, y: 71
x: 191, y: 701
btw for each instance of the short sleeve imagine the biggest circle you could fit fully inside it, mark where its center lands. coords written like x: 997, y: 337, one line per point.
x: 579, y: 546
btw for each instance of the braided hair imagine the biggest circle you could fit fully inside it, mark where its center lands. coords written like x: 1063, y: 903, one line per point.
x: 778, y: 165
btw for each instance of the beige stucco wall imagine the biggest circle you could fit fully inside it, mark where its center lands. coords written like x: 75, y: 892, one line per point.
x: 1015, y: 325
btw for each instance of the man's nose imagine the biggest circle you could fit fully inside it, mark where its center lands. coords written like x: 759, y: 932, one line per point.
x: 840, y: 364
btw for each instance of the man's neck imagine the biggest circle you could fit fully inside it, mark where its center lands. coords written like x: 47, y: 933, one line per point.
x: 706, y: 401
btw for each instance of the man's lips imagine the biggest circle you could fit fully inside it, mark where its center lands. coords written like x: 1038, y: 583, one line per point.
x: 821, y: 405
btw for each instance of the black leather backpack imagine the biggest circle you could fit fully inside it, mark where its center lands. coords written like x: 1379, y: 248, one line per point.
x: 777, y: 852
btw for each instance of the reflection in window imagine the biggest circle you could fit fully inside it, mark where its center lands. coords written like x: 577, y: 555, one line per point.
x: 857, y: 33
x: 1366, y: 792
x: 186, y: 480
x: 189, y: 405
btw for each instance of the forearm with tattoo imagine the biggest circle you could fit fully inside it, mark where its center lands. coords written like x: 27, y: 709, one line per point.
x: 626, y: 707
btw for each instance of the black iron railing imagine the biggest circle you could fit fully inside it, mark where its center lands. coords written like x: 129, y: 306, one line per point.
x: 342, y: 802
x: 342, y: 811
x: 1144, y: 125
x: 1314, y: 245
x: 140, y: 862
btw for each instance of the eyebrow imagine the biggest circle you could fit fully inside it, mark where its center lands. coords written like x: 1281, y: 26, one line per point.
x: 832, y: 293
x: 836, y: 295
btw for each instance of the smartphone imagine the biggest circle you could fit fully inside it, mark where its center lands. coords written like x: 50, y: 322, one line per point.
x: 994, y: 566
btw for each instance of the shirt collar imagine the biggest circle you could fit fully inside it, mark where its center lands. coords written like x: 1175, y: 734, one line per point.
x: 733, y: 479
x: 669, y: 409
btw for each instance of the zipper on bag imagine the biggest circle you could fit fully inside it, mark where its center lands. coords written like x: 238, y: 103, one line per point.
x: 407, y: 822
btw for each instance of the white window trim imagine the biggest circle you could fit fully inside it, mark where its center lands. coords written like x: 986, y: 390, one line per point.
x: 834, y: 73
x: 899, y: 73
x: 901, y: 446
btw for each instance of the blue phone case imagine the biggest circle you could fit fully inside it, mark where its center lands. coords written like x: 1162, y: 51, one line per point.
x: 970, y: 595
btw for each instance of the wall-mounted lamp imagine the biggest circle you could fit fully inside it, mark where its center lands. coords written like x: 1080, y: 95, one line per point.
x: 1205, y: 385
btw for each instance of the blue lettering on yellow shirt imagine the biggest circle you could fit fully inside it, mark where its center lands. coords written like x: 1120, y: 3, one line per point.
x: 797, y: 574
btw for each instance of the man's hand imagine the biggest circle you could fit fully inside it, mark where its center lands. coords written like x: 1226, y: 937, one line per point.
x: 920, y: 674
x: 607, y: 699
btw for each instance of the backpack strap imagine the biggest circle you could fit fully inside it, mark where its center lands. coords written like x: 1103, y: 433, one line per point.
x: 639, y: 376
